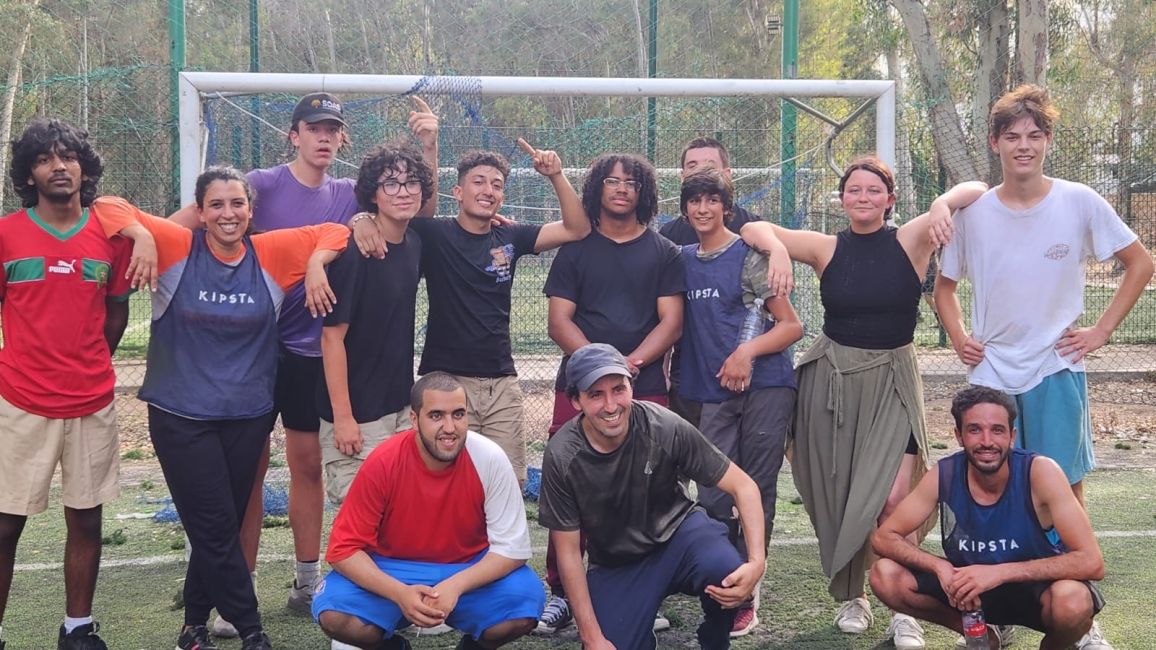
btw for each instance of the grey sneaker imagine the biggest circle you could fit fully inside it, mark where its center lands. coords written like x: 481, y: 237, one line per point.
x: 556, y: 616
x: 223, y: 629
x: 854, y: 616
x: 301, y: 598
x: 660, y: 622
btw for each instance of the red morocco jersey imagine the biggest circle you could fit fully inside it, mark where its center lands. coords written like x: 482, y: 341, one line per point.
x: 55, y: 361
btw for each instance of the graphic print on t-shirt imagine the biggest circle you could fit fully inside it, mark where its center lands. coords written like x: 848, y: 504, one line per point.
x: 500, y: 258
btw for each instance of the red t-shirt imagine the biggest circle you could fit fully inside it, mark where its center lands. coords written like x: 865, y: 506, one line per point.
x: 399, y: 508
x: 55, y: 361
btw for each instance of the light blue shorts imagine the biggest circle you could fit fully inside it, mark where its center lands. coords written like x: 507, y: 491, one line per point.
x: 518, y: 595
x: 1054, y: 421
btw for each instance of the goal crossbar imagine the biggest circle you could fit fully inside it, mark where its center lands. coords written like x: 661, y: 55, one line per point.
x: 194, y: 86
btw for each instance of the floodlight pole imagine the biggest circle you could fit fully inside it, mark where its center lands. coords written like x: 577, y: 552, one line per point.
x: 176, y: 64
x: 254, y: 104
x: 787, y: 114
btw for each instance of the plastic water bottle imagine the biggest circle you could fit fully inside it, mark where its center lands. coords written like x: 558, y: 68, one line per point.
x: 975, y: 629
x: 752, y: 322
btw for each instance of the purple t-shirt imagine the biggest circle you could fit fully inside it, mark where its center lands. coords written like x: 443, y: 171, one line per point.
x: 283, y: 202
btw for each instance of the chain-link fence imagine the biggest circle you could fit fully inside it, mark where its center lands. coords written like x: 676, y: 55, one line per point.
x: 130, y: 125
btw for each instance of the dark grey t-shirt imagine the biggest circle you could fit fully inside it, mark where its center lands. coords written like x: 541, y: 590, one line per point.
x: 630, y: 500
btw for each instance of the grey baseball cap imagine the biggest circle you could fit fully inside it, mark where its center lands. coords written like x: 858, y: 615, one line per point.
x: 592, y: 362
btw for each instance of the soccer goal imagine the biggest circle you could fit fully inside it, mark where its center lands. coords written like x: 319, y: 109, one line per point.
x: 242, y: 119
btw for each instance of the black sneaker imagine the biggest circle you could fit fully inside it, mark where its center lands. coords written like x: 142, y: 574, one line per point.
x: 196, y: 638
x: 256, y: 641
x: 468, y: 643
x: 83, y: 637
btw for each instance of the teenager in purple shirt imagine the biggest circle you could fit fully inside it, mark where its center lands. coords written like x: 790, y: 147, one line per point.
x: 298, y: 193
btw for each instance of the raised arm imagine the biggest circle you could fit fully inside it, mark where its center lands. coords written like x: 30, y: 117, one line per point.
x: 807, y: 246
x: 935, y: 228
x: 187, y: 217
x: 423, y: 123
x: 574, y: 224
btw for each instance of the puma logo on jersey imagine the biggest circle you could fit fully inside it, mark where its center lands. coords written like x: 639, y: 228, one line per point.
x: 60, y: 266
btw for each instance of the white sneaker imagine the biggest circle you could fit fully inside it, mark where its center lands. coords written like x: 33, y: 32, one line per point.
x: 1093, y: 640
x: 854, y: 616
x: 905, y: 632
x: 337, y: 645
x: 660, y: 622
x: 223, y: 629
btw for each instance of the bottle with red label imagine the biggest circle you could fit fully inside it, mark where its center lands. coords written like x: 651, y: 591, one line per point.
x: 975, y: 629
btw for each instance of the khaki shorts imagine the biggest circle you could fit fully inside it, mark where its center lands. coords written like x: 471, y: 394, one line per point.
x: 339, y: 468
x: 87, y: 449
x: 496, y: 411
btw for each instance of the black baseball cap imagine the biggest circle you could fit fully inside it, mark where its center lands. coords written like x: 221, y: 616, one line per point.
x: 592, y: 362
x: 318, y: 107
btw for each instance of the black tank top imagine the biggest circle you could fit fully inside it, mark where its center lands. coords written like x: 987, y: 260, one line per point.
x: 870, y: 292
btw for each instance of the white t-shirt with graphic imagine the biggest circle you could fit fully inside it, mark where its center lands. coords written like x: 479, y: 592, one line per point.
x: 1027, y: 269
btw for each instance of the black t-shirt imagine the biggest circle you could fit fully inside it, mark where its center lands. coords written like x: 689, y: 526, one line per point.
x: 616, y: 288
x: 682, y: 233
x: 469, y: 278
x: 631, y: 500
x: 377, y: 299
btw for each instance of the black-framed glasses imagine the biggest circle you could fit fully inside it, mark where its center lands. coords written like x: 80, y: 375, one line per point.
x: 613, y: 183
x: 391, y: 187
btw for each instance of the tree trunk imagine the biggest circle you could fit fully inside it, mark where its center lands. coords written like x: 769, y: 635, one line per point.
x: 642, y: 62
x: 945, y: 123
x: 1032, y: 41
x: 10, y: 100
x: 990, y: 81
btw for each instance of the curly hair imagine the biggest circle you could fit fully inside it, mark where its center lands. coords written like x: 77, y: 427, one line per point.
x: 1027, y: 100
x: 221, y: 173
x: 708, y: 182
x: 638, y: 167
x: 478, y: 158
x: 45, y: 136
x: 874, y: 165
x: 389, y: 160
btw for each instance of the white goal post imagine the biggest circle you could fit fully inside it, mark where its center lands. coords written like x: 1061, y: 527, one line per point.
x: 195, y: 86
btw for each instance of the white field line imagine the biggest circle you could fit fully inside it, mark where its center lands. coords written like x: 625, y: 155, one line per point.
x: 276, y: 557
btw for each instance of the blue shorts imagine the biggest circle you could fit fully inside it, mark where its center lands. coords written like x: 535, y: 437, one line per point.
x: 1054, y: 421
x: 518, y: 595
